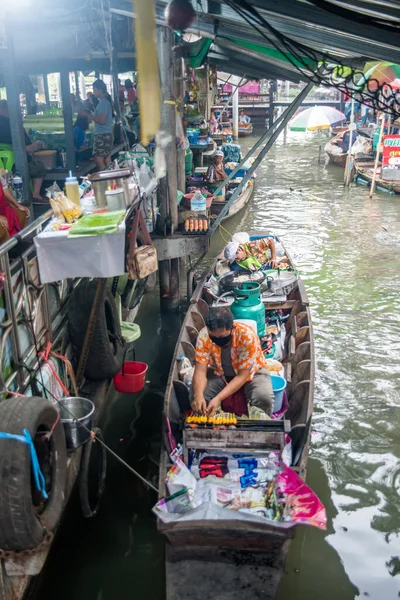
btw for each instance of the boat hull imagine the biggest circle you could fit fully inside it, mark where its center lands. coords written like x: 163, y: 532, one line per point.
x: 237, y: 206
x: 364, y: 176
x: 229, y: 558
x: 245, y: 131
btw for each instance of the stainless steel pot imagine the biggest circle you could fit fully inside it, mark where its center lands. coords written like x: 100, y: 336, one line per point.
x: 76, y: 417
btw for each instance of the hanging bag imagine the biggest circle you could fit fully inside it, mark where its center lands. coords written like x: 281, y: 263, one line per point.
x: 141, y: 261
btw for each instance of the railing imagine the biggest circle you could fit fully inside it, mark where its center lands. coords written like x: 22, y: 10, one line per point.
x: 31, y: 314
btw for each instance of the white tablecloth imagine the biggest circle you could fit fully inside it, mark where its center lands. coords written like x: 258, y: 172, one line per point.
x: 65, y: 257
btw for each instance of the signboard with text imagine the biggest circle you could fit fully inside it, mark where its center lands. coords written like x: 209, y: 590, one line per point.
x: 391, y: 150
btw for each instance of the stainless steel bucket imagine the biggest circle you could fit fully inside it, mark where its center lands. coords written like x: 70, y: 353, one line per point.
x: 74, y: 413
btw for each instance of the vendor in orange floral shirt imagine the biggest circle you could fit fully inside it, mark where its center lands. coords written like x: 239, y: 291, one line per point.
x: 233, y: 354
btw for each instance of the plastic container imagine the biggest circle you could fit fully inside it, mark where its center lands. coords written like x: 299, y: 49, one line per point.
x: 278, y: 387
x: 131, y: 378
x: 198, y: 203
x: 47, y: 157
x: 72, y: 189
x: 193, y: 135
x: 76, y: 416
x: 248, y: 305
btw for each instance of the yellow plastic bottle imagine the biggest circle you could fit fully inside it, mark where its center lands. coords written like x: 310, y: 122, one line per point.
x: 72, y: 189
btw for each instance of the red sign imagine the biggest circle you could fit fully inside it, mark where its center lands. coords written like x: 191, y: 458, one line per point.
x: 391, y: 150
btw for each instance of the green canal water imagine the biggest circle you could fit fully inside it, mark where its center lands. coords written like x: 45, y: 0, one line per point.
x: 347, y: 248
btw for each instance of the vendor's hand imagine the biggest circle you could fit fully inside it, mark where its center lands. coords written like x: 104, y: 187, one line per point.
x: 4, y: 222
x: 25, y: 210
x: 199, y: 405
x: 213, y: 407
x: 274, y: 263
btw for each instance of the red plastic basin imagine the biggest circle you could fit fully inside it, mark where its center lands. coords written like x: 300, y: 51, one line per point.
x: 131, y: 378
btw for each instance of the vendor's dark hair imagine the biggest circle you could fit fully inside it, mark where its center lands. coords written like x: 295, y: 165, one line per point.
x: 219, y: 317
x: 100, y: 85
x: 128, y: 83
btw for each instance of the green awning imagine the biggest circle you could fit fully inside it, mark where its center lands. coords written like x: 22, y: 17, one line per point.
x: 197, y: 52
x: 275, y: 54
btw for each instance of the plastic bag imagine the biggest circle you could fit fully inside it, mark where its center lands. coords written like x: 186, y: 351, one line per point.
x: 160, y: 164
x: 179, y: 477
x: 302, y: 505
x: 53, y: 191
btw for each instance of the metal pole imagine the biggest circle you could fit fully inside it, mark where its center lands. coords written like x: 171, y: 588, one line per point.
x: 349, y: 164
x: 378, y: 148
x: 115, y: 81
x: 288, y: 114
x: 46, y: 90
x: 165, y: 41
x: 76, y: 75
x: 229, y: 99
x: 261, y: 141
x: 67, y: 112
x: 271, y: 104
x: 181, y: 176
x: 235, y: 113
x: 14, y: 109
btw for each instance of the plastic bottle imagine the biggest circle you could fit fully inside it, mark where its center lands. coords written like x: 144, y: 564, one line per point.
x: 18, y: 186
x: 72, y: 189
x: 198, y: 203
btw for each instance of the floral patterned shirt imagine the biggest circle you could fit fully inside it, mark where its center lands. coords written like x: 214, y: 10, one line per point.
x: 246, y: 351
x: 260, y: 249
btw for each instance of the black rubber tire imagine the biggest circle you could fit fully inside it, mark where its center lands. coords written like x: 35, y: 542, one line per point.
x: 106, y: 352
x: 22, y: 524
x: 87, y: 510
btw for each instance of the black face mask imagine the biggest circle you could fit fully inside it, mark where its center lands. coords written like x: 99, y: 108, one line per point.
x: 221, y: 341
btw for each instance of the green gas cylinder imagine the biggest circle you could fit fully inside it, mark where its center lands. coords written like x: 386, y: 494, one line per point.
x: 248, y: 305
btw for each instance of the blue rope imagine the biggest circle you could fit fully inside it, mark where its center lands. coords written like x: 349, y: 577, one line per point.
x: 37, y: 473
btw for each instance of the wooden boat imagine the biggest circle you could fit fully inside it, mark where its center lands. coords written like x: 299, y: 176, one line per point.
x: 237, y: 206
x: 339, y: 129
x: 229, y: 558
x: 336, y: 158
x: 246, y: 130
x: 363, y: 175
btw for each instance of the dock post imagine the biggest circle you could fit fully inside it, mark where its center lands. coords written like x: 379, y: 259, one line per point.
x: 235, y: 113
x: 179, y: 92
x: 271, y: 103
x: 67, y: 113
x: 10, y: 75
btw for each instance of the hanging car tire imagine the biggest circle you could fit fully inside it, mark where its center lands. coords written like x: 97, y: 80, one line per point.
x: 90, y: 508
x: 106, y: 351
x: 25, y: 517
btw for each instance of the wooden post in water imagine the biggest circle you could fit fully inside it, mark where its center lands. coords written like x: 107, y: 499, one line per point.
x: 271, y: 104
x: 235, y: 113
x: 378, y: 148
